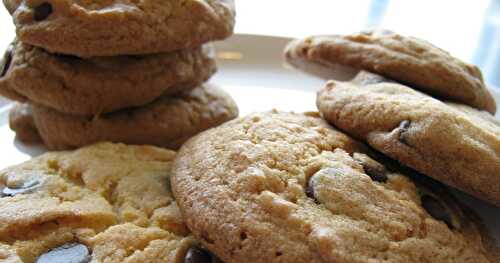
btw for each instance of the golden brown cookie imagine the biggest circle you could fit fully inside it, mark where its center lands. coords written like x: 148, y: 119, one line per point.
x: 103, y: 203
x: 110, y: 28
x: 452, y: 143
x: 408, y: 60
x: 284, y: 187
x: 104, y: 84
x: 166, y: 122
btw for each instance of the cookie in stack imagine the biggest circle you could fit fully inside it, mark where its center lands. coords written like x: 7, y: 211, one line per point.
x: 132, y: 72
x: 412, y: 102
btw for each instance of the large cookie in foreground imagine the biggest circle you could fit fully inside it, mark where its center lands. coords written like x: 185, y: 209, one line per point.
x: 408, y: 60
x: 100, y: 85
x: 284, y: 187
x: 452, y: 143
x: 110, y: 28
x: 167, y: 122
x: 103, y: 203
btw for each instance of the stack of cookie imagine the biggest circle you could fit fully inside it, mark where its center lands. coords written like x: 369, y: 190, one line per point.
x: 411, y: 101
x: 131, y: 72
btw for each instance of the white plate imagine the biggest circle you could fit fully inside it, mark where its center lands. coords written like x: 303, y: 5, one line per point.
x: 251, y: 69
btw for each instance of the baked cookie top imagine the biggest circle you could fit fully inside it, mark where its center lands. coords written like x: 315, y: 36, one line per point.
x: 167, y: 122
x: 452, y: 143
x: 110, y: 28
x: 285, y: 187
x: 409, y: 60
x: 103, y: 203
x: 102, y: 84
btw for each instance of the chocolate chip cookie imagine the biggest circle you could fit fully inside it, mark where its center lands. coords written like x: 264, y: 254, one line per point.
x: 167, y: 122
x: 100, y: 85
x: 284, y: 187
x: 103, y: 203
x: 408, y: 60
x: 452, y: 143
x: 110, y: 28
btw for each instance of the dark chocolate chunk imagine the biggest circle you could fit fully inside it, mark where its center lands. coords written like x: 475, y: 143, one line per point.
x: 375, y: 170
x: 6, y: 60
x: 197, y: 255
x: 403, y: 130
x: 310, y: 190
x: 67, y: 253
x: 42, y: 11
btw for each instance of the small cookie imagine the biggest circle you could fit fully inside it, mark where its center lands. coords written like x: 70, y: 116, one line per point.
x: 409, y: 60
x: 167, y: 122
x: 110, y: 28
x: 284, y: 187
x: 100, y: 85
x: 21, y: 121
x: 103, y: 203
x: 452, y: 143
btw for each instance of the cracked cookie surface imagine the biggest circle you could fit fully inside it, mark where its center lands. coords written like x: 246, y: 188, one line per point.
x: 167, y: 122
x: 99, y: 85
x: 103, y: 203
x: 285, y: 187
x: 408, y: 60
x: 453, y: 143
x: 109, y: 28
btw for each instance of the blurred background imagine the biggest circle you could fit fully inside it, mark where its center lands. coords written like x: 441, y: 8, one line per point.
x: 469, y: 29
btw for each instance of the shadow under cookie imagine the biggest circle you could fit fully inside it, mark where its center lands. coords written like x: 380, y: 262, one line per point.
x: 167, y: 122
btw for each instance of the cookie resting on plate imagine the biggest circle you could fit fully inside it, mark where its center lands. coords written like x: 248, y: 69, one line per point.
x: 103, y: 203
x: 285, y: 187
x: 409, y: 60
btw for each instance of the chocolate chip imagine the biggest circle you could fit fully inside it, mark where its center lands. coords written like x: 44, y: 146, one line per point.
x: 67, y: 253
x: 374, y: 169
x: 403, y: 130
x: 310, y: 190
x: 436, y: 209
x: 197, y: 255
x: 42, y: 11
x: 6, y: 60
x: 27, y: 187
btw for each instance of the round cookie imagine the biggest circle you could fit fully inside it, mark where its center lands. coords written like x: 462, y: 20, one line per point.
x: 103, y: 84
x: 110, y: 28
x: 452, y: 143
x: 408, y: 60
x: 167, y: 122
x: 103, y: 203
x: 284, y: 187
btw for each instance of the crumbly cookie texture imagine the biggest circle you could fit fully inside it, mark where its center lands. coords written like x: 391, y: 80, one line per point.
x: 110, y: 28
x: 99, y: 85
x: 409, y: 60
x: 103, y: 203
x: 284, y: 187
x: 167, y: 122
x: 452, y: 143
x: 21, y: 121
